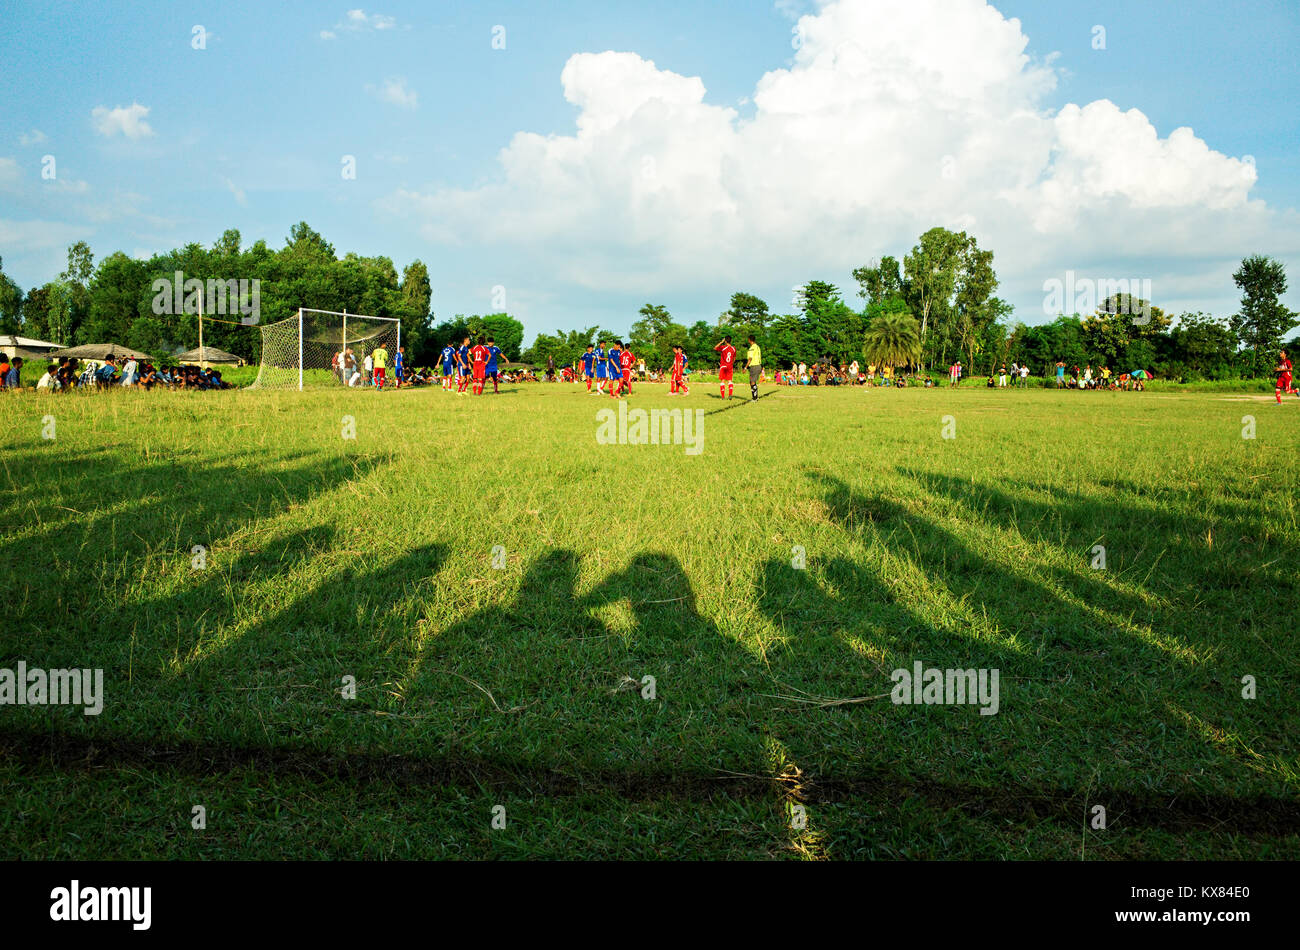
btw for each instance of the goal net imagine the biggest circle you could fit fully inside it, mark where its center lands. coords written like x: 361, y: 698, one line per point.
x: 305, y: 350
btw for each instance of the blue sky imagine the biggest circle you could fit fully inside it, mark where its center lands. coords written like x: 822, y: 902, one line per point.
x: 251, y: 132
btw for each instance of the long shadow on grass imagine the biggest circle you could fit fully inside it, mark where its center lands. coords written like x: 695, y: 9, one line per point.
x: 1222, y: 600
x: 1082, y: 700
x: 100, y: 514
x: 545, y: 679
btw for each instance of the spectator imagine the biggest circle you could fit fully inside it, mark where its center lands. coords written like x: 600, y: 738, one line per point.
x: 106, y: 375
x: 50, y: 379
x: 13, y: 375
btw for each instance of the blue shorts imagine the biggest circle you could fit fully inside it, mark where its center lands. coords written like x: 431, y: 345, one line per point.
x: 446, y: 369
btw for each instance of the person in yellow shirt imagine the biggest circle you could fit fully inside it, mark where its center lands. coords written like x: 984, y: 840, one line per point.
x: 380, y: 356
x: 754, y: 362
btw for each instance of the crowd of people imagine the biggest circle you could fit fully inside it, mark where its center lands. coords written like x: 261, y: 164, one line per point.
x: 127, y: 372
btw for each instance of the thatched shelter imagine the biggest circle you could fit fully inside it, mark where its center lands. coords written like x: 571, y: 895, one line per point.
x: 209, y: 354
x: 99, y: 351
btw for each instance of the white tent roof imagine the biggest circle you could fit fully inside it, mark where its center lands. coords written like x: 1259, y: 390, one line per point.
x: 28, y: 343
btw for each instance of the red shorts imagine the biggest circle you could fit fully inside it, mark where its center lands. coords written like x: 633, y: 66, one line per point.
x: 379, y: 372
x: 627, y: 376
x: 724, y: 373
x: 1284, y: 381
x: 480, y: 372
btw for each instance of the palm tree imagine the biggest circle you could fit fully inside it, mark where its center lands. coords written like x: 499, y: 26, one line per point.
x: 894, y: 339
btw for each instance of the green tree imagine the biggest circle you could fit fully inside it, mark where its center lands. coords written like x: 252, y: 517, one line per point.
x: 748, y: 310
x: 931, y: 271
x: 59, y: 297
x: 879, y: 281
x: 1262, y: 321
x: 11, y: 303
x: 507, y: 331
x: 893, y: 339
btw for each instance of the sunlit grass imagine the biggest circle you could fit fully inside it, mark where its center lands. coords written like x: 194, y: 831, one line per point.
x: 372, y: 558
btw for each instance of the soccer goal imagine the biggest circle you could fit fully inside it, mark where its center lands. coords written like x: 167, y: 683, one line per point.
x: 311, y: 349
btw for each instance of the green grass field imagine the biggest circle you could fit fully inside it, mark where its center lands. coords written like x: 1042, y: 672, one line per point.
x: 520, y: 685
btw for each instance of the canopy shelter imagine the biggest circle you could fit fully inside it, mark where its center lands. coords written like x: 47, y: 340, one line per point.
x: 99, y: 351
x: 26, y: 347
x: 209, y: 354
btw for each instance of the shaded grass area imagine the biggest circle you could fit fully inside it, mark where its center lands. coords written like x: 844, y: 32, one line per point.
x: 522, y: 685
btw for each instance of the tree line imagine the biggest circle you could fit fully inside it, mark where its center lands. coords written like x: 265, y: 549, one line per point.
x: 937, y: 304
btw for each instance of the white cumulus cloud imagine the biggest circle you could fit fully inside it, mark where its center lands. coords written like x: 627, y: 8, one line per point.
x: 395, y: 91
x: 890, y: 119
x: 122, y: 120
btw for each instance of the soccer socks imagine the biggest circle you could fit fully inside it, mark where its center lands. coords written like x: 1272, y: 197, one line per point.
x: 753, y: 390
x: 495, y: 387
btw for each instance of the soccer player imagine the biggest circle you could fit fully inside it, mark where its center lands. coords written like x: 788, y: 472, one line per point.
x: 462, y: 361
x: 754, y: 362
x: 602, y: 367
x: 381, y: 365
x: 448, y: 366
x: 1283, y: 370
x: 615, y: 369
x: 625, y: 361
x: 478, y: 358
x: 494, y: 351
x: 726, y: 363
x: 678, y: 382
x: 589, y: 365
x: 399, y: 365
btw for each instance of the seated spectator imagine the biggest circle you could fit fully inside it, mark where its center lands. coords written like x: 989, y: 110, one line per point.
x: 67, y: 375
x: 106, y: 375
x: 50, y: 379
x: 130, y: 371
x: 13, y: 374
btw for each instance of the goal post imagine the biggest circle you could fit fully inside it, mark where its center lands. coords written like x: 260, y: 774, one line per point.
x: 301, y: 352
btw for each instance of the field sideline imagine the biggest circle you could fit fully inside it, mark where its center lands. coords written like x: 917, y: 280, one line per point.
x: 522, y: 686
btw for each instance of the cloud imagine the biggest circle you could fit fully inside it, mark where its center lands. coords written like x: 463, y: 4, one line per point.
x: 124, y: 120
x: 355, y: 21
x: 889, y: 120
x: 396, y: 92
x: 34, y: 137
x: 40, y: 235
x: 241, y: 199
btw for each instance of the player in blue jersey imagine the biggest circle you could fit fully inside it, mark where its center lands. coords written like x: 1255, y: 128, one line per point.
x: 448, y: 366
x: 399, y: 366
x: 462, y: 357
x: 602, y: 367
x: 589, y: 365
x: 494, y: 351
x: 615, y: 371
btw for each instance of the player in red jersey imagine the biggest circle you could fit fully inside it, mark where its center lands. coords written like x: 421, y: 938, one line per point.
x: 625, y: 362
x: 726, y: 363
x: 478, y: 360
x: 1284, y: 384
x: 677, y: 383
